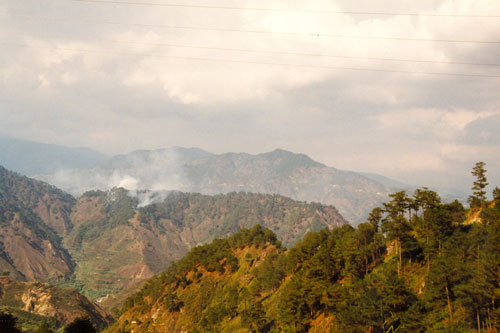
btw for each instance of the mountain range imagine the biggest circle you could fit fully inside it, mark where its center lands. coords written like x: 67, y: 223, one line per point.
x: 194, y: 170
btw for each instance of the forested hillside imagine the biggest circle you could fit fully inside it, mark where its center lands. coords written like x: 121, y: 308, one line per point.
x: 414, y: 266
x: 49, y: 203
x: 105, y: 243
x: 116, y: 244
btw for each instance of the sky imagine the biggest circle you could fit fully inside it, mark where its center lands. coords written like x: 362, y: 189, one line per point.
x: 406, y: 94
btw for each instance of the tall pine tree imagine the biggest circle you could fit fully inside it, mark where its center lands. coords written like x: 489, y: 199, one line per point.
x: 479, y: 194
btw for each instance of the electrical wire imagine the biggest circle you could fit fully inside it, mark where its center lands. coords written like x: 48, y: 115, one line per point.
x: 311, y: 34
x: 255, y: 62
x: 289, y: 10
x: 318, y: 55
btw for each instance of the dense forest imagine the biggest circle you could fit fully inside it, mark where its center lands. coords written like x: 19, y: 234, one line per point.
x: 416, y: 265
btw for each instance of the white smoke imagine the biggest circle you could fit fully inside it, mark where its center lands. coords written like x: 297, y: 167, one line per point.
x: 147, y: 175
x: 146, y: 198
x: 129, y: 183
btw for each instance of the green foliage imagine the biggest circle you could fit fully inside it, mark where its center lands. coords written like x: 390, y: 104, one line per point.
x: 214, y: 257
x: 415, y: 266
x: 254, y: 318
x: 375, y: 217
x: 479, y: 194
x: 44, y: 328
x: 496, y: 194
x: 270, y: 273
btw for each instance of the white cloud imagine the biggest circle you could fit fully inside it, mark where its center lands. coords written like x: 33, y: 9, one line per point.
x: 115, y: 101
x: 434, y: 123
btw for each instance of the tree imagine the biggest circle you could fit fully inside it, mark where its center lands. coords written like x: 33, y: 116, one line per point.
x: 254, y: 318
x: 479, y: 194
x: 496, y: 194
x: 8, y: 323
x: 395, y: 225
x: 375, y: 217
x: 80, y: 325
x: 44, y: 328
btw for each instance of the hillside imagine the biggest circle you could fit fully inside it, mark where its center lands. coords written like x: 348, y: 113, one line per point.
x: 34, y: 303
x: 117, y: 244
x: 108, y: 242
x: 409, y: 271
x: 33, y: 158
x: 193, y: 170
x: 49, y: 203
x: 29, y: 248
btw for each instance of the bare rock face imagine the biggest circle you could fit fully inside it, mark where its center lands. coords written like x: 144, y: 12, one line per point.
x: 45, y: 300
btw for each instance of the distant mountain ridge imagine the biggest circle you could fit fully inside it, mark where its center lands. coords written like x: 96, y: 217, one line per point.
x: 194, y: 170
x: 32, y: 158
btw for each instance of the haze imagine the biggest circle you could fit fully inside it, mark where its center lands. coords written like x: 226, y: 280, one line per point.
x: 115, y: 78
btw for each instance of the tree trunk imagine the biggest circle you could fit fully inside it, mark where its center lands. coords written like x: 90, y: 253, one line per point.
x: 489, y: 320
x: 400, y: 259
x: 478, y: 322
x: 449, y: 301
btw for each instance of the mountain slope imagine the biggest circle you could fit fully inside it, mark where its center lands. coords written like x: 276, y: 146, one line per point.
x: 49, y: 203
x: 29, y: 248
x: 34, y: 303
x: 424, y: 273
x: 32, y: 158
x: 116, y: 244
x: 193, y: 170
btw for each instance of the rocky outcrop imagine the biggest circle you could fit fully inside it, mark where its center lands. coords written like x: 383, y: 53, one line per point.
x: 45, y: 300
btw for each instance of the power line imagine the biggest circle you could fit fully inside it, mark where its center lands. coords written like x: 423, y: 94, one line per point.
x: 268, y: 32
x: 254, y: 62
x: 289, y: 10
x: 426, y: 61
x: 301, y: 53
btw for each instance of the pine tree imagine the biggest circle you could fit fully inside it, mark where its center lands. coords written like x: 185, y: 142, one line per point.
x: 496, y: 194
x: 375, y: 217
x: 479, y: 194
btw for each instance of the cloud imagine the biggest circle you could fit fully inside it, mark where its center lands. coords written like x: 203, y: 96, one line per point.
x: 431, y: 123
x: 112, y: 100
x: 483, y: 131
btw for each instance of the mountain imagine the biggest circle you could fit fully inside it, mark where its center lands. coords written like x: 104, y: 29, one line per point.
x: 393, y: 184
x: 106, y: 242
x: 116, y: 243
x: 424, y: 273
x: 49, y: 203
x: 34, y: 303
x: 33, y: 158
x: 29, y: 247
x: 193, y: 170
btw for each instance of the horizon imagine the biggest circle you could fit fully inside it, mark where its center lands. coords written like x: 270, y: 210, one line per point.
x: 446, y: 191
x: 404, y: 90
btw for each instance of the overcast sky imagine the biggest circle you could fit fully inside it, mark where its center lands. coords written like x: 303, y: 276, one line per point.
x: 68, y: 76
